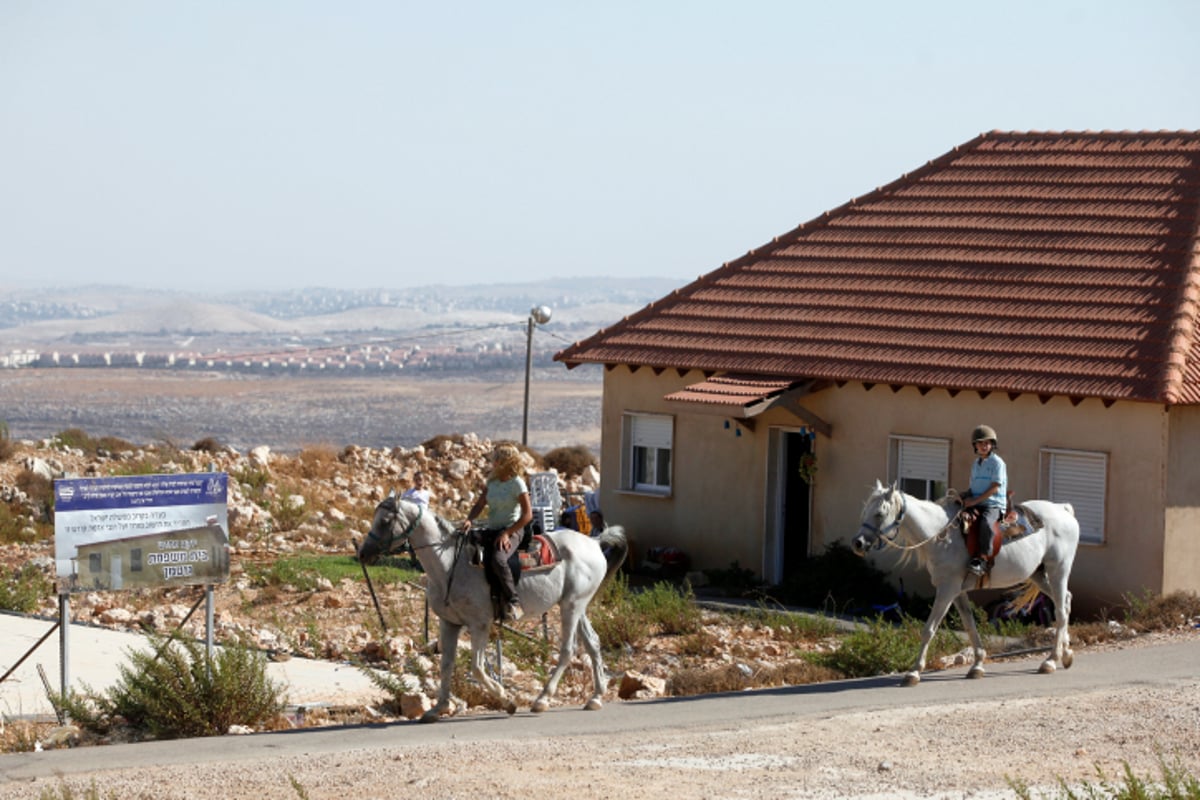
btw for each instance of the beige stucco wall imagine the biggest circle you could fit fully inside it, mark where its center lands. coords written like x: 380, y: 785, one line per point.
x: 717, y: 510
x: 1181, y: 571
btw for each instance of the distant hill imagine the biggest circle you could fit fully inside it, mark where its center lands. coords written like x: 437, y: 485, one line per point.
x: 33, y: 317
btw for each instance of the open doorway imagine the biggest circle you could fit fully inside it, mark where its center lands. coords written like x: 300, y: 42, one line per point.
x: 789, y: 503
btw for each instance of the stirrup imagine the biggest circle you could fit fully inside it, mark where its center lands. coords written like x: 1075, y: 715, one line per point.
x: 977, y: 566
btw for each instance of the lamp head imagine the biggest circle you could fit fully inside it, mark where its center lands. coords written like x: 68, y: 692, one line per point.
x: 540, y: 314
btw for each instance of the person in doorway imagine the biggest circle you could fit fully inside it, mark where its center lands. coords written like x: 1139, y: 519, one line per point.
x: 506, y: 497
x: 988, y: 492
x: 417, y: 493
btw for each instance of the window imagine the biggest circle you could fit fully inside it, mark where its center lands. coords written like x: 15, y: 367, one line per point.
x: 646, y: 453
x: 135, y: 559
x: 920, y: 466
x: 94, y: 564
x: 1079, y: 478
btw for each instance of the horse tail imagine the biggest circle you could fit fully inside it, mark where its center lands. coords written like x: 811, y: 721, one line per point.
x: 615, y: 546
x: 1028, y: 591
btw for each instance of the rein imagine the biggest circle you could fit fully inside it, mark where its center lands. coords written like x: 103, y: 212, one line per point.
x: 886, y: 536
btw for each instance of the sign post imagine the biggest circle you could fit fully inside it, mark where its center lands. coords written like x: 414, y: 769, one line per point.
x: 138, y: 531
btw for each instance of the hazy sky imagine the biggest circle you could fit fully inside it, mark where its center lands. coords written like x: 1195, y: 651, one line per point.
x: 216, y: 145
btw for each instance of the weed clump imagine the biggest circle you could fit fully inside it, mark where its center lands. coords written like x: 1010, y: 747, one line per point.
x: 180, y: 691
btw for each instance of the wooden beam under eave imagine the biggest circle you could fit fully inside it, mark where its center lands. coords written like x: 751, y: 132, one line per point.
x: 1076, y: 400
x: 809, y: 418
x: 1045, y: 398
x: 1013, y: 395
x: 748, y: 424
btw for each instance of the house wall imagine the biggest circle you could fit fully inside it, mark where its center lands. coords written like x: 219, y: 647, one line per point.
x: 717, y: 515
x: 1181, y: 570
x: 716, y: 512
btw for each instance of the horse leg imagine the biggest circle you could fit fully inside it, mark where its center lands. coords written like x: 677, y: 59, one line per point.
x: 964, y: 610
x: 941, y: 604
x: 479, y: 643
x: 591, y: 643
x: 570, y: 622
x: 1056, y: 588
x: 448, y: 644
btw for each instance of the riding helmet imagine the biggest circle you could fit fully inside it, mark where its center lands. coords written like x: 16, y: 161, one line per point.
x: 983, y: 433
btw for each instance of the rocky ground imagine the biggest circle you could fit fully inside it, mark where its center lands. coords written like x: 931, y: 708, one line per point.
x: 317, y: 502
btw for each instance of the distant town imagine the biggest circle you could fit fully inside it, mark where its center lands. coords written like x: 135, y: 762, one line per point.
x: 309, y: 331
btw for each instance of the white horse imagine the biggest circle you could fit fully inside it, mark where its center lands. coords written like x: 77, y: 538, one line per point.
x: 1040, y: 560
x: 459, y: 593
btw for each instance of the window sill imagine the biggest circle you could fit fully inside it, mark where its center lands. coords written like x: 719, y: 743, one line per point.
x: 663, y: 495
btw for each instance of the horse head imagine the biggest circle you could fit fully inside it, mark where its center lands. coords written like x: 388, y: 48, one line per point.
x: 390, y: 514
x: 882, y: 515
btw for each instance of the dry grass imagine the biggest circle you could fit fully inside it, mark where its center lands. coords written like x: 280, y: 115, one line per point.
x: 738, y: 677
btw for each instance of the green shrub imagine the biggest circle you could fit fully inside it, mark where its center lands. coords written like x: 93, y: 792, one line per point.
x: 286, y: 512
x: 179, y: 691
x: 23, y: 588
x: 614, y: 618
x: 671, y: 609
x: 882, y: 648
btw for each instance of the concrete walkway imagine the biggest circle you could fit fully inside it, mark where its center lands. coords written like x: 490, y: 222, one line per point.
x: 95, y: 655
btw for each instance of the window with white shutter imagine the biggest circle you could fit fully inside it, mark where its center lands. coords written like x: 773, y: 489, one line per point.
x: 1081, y: 479
x: 646, y: 453
x: 920, y: 466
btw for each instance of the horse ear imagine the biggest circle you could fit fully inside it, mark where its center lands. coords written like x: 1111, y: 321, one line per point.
x: 895, y: 485
x: 878, y: 485
x: 391, y: 494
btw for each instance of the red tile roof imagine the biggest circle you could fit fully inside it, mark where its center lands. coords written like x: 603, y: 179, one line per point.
x: 1042, y: 263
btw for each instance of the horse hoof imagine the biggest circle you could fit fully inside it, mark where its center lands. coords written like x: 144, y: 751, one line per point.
x: 539, y: 706
x: 1047, y: 667
x: 432, y: 715
x: 911, y: 679
x: 593, y: 705
x: 975, y: 673
x: 1068, y: 659
x: 511, y: 708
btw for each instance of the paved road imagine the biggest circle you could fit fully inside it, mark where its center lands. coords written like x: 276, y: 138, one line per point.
x: 95, y: 654
x: 1158, y: 665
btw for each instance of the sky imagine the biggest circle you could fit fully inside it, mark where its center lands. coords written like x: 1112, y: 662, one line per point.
x: 260, y: 144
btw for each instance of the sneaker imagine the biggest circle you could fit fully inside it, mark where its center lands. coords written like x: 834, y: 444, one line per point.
x: 514, y: 611
x: 977, y: 566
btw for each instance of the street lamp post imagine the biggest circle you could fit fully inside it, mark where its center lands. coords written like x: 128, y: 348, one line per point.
x: 538, y: 315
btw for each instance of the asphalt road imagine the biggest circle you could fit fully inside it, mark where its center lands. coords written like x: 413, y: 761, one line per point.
x: 1146, y: 665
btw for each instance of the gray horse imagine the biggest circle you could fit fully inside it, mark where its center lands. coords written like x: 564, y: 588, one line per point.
x: 1040, y: 560
x: 459, y: 594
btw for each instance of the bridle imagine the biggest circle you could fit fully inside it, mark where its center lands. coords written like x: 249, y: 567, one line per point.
x: 886, y: 534
x: 390, y: 505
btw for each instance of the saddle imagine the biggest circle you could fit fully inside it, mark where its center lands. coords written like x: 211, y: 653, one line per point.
x: 538, y: 554
x: 1017, y: 523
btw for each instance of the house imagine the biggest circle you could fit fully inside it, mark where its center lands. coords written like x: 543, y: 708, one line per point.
x: 196, y: 555
x: 1046, y: 284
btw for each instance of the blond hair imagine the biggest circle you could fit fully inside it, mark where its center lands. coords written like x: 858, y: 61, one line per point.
x: 506, y: 462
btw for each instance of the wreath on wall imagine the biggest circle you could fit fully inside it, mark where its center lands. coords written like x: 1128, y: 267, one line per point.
x: 807, y: 467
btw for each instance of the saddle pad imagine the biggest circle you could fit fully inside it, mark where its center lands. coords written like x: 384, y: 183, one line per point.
x: 542, y: 554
